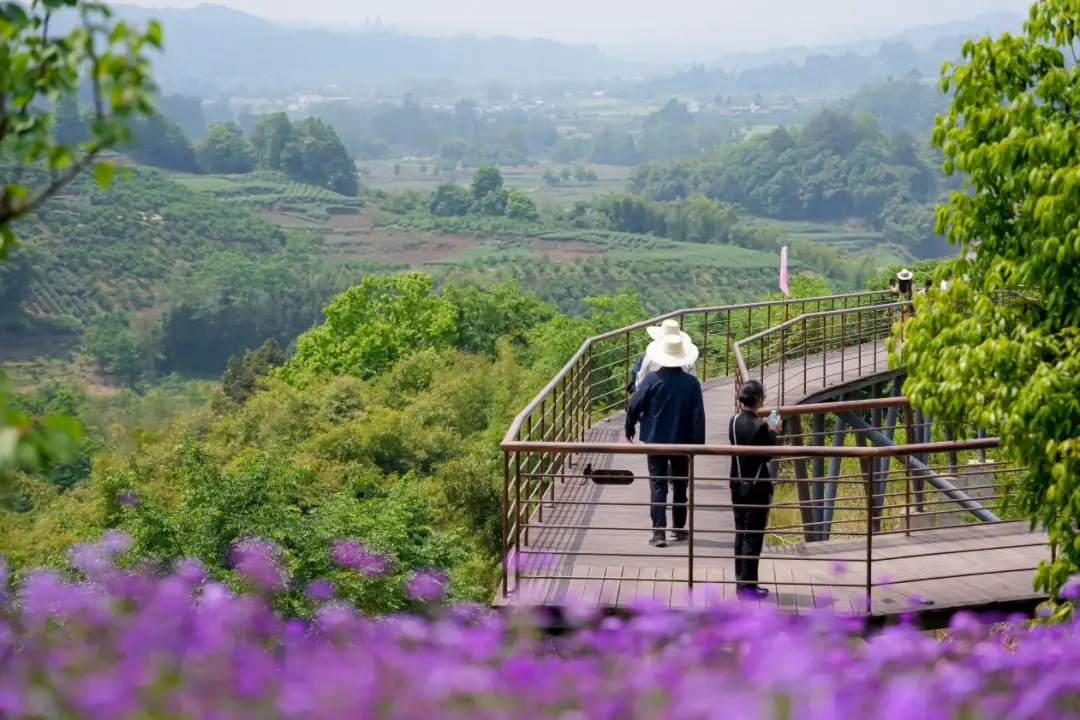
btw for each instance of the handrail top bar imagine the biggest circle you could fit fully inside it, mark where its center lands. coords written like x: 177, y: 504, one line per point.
x: 728, y: 308
x: 839, y: 406
x: 777, y: 451
x: 519, y: 419
x: 821, y: 314
x: 737, y: 346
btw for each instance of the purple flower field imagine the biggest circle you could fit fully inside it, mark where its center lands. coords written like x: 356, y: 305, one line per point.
x: 122, y: 644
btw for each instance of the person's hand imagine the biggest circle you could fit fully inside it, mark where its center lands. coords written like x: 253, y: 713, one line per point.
x: 630, y: 438
x: 774, y: 424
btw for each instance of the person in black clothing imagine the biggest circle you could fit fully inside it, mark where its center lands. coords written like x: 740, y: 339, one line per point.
x: 669, y: 405
x: 751, y: 487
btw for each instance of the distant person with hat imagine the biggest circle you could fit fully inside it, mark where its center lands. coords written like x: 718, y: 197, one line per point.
x: 669, y: 405
x: 904, y: 287
x: 751, y: 487
x: 644, y: 366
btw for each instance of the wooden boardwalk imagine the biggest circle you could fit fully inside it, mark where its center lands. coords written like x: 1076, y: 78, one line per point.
x: 589, y: 540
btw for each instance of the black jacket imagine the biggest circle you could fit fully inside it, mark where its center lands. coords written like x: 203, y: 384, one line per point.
x: 749, y: 430
x: 670, y: 407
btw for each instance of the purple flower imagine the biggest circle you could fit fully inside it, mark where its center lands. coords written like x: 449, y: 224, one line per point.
x: 1071, y: 589
x: 352, y: 554
x: 114, y: 542
x: 259, y: 562
x: 427, y: 585
x: 128, y: 498
x: 320, y: 590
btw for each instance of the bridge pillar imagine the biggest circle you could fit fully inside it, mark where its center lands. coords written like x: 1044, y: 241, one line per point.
x: 794, y: 428
x: 834, y: 471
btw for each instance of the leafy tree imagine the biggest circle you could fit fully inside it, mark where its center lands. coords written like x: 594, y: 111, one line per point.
x: 238, y: 382
x: 1014, y: 366
x: 371, y: 325
x: 520, y: 206
x: 226, y: 151
x: 37, y: 66
x: 486, y: 180
x: 159, y: 141
x: 271, y: 134
x: 450, y: 200
x: 323, y: 159
x: 309, y: 151
x: 111, y: 342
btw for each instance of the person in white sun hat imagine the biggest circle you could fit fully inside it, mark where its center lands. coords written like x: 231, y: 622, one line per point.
x: 904, y: 276
x: 644, y: 366
x: 669, y: 405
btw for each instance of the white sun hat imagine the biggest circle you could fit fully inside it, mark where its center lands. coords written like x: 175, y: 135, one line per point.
x: 673, y: 348
x: 666, y: 328
x: 904, y: 274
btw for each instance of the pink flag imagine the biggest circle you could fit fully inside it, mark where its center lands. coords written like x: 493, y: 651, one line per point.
x: 783, y: 272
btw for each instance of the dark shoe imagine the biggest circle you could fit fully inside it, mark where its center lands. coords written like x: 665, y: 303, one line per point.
x: 659, y: 539
x: 680, y: 536
x: 751, y: 592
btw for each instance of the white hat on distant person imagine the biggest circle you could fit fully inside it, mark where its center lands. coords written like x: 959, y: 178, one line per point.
x: 671, y: 347
x: 668, y: 327
x: 904, y: 274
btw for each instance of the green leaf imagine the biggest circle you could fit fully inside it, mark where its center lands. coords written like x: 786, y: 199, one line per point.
x: 104, y: 173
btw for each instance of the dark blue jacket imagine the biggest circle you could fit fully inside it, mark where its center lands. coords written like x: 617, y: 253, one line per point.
x: 670, y: 407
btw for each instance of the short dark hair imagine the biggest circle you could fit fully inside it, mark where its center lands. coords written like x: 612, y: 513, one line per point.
x: 751, y: 392
x: 929, y: 281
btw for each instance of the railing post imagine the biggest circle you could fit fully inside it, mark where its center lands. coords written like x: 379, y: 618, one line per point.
x: 705, y: 349
x: 868, y: 475
x: 517, y: 522
x: 783, y: 364
x: 806, y: 352
x: 727, y: 343
x: 529, y: 470
x: 909, y: 432
x: 505, y: 519
x: 843, y: 342
x: 690, y: 521
x: 588, y: 387
x: 543, y: 464
x: 858, y: 331
x: 626, y: 369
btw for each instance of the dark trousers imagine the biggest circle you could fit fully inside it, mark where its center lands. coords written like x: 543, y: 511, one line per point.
x: 662, y: 467
x: 750, y: 523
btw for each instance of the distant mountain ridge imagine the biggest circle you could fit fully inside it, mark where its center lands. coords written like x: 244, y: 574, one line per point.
x: 212, y: 48
x: 921, y: 37
x: 222, y: 47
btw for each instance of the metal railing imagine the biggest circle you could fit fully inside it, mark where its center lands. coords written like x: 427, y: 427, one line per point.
x: 796, y: 348
x: 819, y: 350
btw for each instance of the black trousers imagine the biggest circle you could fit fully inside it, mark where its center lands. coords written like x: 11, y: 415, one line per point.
x: 662, y: 467
x: 750, y: 523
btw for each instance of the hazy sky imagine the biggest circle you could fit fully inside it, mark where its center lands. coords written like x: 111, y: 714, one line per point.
x: 705, y: 28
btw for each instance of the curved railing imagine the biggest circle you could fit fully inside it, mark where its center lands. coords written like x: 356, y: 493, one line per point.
x: 593, y: 382
x: 815, y: 349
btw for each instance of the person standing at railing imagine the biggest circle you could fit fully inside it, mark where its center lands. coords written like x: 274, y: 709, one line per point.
x: 669, y: 405
x: 751, y: 487
x: 644, y: 366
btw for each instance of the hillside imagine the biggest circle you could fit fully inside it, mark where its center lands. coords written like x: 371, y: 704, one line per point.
x: 160, y: 274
